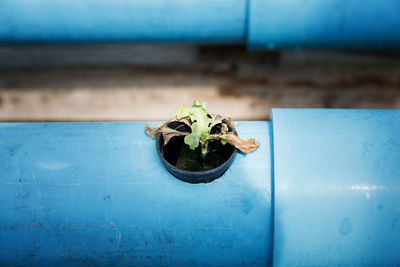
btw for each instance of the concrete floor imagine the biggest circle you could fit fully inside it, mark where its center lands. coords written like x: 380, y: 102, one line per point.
x: 149, y: 82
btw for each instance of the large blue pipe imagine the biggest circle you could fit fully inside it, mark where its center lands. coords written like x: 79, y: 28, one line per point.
x: 261, y: 24
x: 200, y: 21
x: 96, y: 194
x: 322, y: 189
x: 337, y: 187
x: 352, y: 24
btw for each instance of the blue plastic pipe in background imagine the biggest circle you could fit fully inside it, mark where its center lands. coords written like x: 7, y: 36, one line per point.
x: 48, y: 21
x: 259, y: 24
x: 352, y: 24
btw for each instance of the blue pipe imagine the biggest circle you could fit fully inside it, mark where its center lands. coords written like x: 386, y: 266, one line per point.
x: 48, y: 21
x: 350, y: 24
x: 77, y: 194
x: 337, y: 187
x: 260, y: 24
x: 322, y: 189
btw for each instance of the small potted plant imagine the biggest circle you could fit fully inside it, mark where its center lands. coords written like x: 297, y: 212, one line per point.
x: 197, y: 147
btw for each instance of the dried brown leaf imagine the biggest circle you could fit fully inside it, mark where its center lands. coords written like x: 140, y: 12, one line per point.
x: 216, y: 119
x: 152, y: 131
x: 185, y: 120
x: 231, y: 123
x: 245, y: 146
x: 213, y: 137
x: 224, y: 129
x: 168, y: 133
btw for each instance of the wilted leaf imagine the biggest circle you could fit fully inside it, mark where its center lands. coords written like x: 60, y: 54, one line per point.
x: 185, y: 121
x: 216, y: 119
x: 245, y: 146
x: 167, y: 132
x: 152, y: 131
x: 224, y: 129
x: 231, y: 123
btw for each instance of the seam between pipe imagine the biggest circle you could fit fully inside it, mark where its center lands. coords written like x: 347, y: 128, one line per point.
x: 272, y: 160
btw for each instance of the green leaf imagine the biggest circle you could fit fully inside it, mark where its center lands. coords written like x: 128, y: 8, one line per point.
x: 222, y: 140
x: 183, y: 112
x: 204, y: 136
x: 200, y: 116
x: 200, y: 123
x: 196, y: 104
x: 193, y: 139
x: 199, y: 109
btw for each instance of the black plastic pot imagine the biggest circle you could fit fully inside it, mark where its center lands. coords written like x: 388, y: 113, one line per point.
x: 168, y: 155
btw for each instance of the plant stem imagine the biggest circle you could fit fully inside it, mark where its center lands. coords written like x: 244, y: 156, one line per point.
x: 204, y: 149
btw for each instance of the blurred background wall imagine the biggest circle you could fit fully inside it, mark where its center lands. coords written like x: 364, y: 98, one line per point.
x: 136, y: 82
